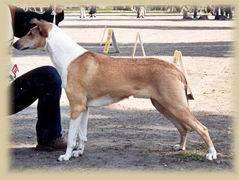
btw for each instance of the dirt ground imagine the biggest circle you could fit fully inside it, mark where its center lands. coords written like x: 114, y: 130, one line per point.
x: 131, y: 134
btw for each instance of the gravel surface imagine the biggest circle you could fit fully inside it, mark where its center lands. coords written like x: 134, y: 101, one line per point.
x: 131, y: 134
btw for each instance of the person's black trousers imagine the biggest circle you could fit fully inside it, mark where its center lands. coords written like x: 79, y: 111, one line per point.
x: 44, y: 84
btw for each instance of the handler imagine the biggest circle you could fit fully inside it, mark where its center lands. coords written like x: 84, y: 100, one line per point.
x: 44, y: 84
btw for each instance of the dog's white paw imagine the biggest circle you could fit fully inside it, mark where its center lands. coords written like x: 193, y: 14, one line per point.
x: 212, y: 154
x: 64, y: 157
x: 77, y: 153
x: 178, y: 147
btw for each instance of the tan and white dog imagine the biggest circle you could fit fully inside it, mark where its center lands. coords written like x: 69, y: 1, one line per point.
x: 93, y: 80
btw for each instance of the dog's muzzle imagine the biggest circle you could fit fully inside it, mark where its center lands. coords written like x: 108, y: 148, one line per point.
x: 18, y: 46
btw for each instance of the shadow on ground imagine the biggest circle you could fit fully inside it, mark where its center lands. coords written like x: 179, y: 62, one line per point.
x: 125, y: 139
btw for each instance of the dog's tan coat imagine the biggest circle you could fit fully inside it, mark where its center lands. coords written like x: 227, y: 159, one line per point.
x: 92, y: 76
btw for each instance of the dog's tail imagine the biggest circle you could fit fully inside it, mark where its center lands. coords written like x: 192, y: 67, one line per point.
x: 177, y: 58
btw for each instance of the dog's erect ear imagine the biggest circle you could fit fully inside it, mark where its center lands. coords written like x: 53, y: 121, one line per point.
x: 42, y: 25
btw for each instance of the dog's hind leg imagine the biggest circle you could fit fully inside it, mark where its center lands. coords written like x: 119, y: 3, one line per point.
x: 175, y: 102
x: 184, y: 115
x: 181, y: 128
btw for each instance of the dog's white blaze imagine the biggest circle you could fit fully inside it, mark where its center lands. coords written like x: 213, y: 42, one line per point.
x: 102, y: 101
x: 62, y: 50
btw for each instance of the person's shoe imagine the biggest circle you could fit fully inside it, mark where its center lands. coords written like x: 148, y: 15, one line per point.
x: 57, y: 144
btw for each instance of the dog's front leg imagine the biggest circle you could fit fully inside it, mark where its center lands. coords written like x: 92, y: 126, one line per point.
x: 82, y: 134
x: 72, y: 135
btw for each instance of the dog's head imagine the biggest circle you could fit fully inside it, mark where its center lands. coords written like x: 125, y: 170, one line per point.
x: 36, y: 37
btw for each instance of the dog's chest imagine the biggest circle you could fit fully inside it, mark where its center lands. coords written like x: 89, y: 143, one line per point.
x: 63, y: 50
x: 62, y: 60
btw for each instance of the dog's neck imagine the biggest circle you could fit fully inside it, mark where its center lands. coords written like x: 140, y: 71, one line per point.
x: 62, y: 50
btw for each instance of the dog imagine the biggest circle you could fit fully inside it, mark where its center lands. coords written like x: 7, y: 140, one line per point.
x: 93, y: 80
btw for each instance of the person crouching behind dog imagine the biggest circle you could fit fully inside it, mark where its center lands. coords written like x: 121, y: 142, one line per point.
x: 44, y: 84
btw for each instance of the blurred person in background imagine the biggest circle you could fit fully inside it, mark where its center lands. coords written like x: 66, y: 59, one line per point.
x: 82, y: 12
x: 92, y: 11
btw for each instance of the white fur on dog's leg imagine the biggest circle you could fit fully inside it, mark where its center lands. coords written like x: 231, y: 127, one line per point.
x: 64, y: 157
x: 71, y: 140
x: 76, y: 153
x: 83, y: 127
x: 82, y: 133
x: 79, y: 150
x: 212, y: 154
x: 178, y: 147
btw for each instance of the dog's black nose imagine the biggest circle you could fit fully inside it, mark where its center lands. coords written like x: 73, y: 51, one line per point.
x: 16, y: 45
